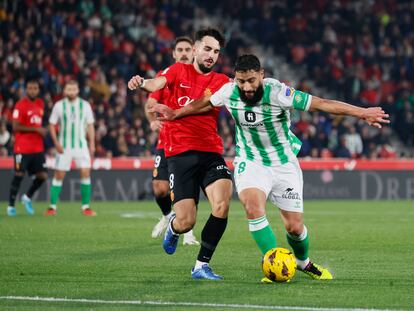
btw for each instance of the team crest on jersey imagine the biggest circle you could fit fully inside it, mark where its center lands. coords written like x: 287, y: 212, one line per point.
x: 298, y: 98
x: 266, y: 107
x: 207, y: 92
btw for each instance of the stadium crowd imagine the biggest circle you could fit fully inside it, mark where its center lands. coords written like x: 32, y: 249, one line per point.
x: 363, y: 51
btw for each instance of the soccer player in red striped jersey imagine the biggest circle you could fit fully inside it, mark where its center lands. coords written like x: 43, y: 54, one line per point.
x: 182, y: 51
x: 193, y: 149
x: 28, y: 146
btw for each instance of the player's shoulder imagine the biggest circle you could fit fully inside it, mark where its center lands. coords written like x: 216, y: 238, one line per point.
x: 174, y: 67
x: 84, y: 102
x: 272, y: 82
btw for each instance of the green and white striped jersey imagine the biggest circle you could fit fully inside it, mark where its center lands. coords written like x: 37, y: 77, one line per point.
x: 262, y: 131
x: 73, y: 118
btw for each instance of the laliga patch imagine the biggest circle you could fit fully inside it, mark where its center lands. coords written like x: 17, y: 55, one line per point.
x: 289, y: 91
x: 155, y: 173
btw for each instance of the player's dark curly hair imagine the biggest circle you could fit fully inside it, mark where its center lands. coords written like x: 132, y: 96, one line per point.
x: 182, y: 39
x: 211, y: 32
x: 247, y: 62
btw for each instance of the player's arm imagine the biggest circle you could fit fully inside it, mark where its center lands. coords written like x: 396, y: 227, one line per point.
x: 374, y: 116
x: 90, y: 132
x: 199, y: 106
x: 53, y: 135
x: 151, y: 116
x: 18, y: 127
x: 149, y: 85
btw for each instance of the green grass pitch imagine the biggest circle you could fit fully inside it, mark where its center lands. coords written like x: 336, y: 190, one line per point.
x: 369, y: 246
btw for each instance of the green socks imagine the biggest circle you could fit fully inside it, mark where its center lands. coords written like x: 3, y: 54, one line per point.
x: 262, y: 233
x: 86, y: 191
x: 55, y: 192
x: 300, y: 244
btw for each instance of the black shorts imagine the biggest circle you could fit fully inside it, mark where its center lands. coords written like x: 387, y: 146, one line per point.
x: 192, y: 170
x: 30, y: 162
x: 160, y: 171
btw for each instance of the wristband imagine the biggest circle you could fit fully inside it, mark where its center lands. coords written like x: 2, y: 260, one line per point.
x: 142, y: 85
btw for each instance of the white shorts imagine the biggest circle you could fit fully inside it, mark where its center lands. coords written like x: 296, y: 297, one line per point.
x: 282, y: 184
x: 81, y: 158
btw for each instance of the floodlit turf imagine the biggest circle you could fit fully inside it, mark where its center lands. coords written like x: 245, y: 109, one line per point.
x: 369, y: 246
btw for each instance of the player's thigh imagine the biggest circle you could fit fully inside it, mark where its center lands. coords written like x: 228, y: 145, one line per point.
x: 216, y: 182
x: 287, y: 190
x: 254, y: 202
x: 37, y: 165
x: 183, y: 177
x: 63, y: 161
x: 248, y: 174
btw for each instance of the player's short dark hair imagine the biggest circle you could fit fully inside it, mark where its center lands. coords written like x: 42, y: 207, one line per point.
x: 247, y: 62
x: 211, y: 32
x: 71, y: 81
x: 30, y: 80
x: 182, y: 39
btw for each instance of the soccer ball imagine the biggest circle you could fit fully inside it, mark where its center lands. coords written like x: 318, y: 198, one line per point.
x: 279, y: 264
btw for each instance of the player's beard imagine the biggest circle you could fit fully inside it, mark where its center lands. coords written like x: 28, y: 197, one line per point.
x: 252, y: 101
x: 203, y: 68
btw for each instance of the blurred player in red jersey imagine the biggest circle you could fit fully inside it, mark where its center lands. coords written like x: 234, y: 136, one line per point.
x: 182, y: 51
x: 193, y: 149
x: 28, y: 146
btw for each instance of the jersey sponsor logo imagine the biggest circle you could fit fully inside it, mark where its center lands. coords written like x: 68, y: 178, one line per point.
x: 185, y: 86
x: 36, y: 120
x: 184, y: 101
x: 250, y: 116
x: 290, y: 194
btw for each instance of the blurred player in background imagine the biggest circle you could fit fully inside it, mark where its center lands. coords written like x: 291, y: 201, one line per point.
x: 28, y: 151
x: 266, y: 165
x: 182, y: 51
x: 193, y: 149
x: 75, y: 119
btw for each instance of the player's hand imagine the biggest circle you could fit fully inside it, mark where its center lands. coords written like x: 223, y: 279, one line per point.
x: 41, y: 130
x: 156, y: 125
x: 375, y: 116
x: 135, y: 82
x: 166, y: 113
x: 59, y: 148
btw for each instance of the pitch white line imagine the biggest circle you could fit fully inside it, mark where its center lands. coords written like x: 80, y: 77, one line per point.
x: 184, y: 304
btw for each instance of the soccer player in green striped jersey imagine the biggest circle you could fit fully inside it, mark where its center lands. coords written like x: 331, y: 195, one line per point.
x: 75, y: 119
x: 266, y: 166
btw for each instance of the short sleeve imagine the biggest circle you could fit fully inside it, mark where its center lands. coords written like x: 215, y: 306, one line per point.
x: 17, y: 113
x: 171, y: 73
x: 289, y: 98
x: 89, y: 114
x: 55, y: 114
x: 157, y: 95
x: 217, y: 99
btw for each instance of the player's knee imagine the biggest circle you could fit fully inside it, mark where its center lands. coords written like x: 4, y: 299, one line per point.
x: 184, y: 224
x: 42, y: 176
x: 252, y: 208
x: 161, y: 189
x: 294, y: 228
x: 221, y: 208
